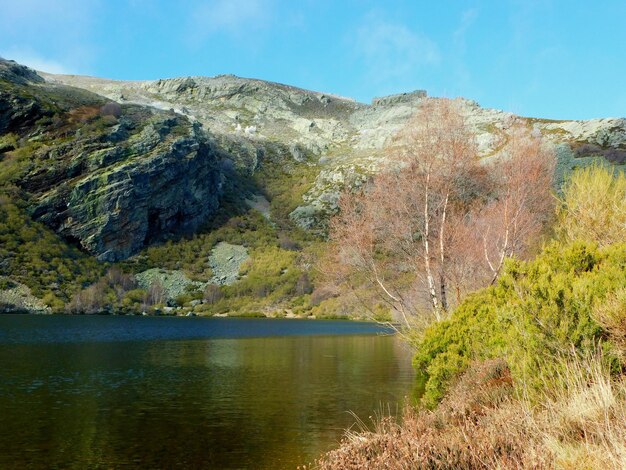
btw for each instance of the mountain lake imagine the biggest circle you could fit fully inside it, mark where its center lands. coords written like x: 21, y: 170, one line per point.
x: 218, y: 393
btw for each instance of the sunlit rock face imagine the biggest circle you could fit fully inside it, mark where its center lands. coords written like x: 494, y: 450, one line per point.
x: 343, y: 139
x: 171, y: 186
x: 111, y: 178
x: 119, y: 183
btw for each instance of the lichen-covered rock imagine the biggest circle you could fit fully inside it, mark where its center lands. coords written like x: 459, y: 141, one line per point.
x: 170, y: 186
x: 111, y: 182
x: 16, y: 297
x: 225, y: 262
x: 174, y: 283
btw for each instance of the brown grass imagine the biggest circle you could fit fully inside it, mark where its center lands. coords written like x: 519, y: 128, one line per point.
x: 483, y: 423
x: 611, y: 315
x: 83, y: 114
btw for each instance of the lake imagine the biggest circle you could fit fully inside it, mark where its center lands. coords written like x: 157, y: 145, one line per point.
x: 149, y: 392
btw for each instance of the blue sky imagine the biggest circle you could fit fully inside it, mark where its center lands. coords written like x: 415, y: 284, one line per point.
x: 554, y: 59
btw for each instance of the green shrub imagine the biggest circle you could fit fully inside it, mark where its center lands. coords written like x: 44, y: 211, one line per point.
x: 611, y: 315
x: 568, y: 299
x: 35, y: 256
x: 594, y: 206
x: 212, y: 294
x: 134, y: 298
x: 538, y: 311
x: 53, y: 302
x: 183, y: 299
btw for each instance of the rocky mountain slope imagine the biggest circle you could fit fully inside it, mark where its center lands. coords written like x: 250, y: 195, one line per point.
x: 116, y: 167
x: 344, y: 139
x: 114, y: 178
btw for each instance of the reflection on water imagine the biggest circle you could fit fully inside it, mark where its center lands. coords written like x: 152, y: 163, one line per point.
x: 270, y: 402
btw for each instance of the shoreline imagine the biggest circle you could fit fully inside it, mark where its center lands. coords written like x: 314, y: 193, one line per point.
x: 194, y: 315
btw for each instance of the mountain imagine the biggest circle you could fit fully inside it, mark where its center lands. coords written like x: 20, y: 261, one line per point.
x: 112, y: 177
x: 344, y: 139
x: 107, y: 169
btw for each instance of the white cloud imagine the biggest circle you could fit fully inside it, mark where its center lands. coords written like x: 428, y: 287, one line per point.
x: 392, y: 53
x: 234, y: 17
x: 49, y: 35
x: 34, y: 61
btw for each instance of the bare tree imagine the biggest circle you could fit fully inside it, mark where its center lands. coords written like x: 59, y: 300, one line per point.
x: 523, y: 202
x: 439, y: 220
x: 90, y: 300
x: 156, y: 293
x: 119, y: 281
x: 212, y: 293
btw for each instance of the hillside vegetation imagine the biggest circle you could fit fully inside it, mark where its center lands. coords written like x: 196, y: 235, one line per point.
x: 115, y: 195
x: 93, y: 194
x: 528, y: 373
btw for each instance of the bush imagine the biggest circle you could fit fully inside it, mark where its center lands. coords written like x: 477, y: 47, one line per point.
x: 111, y: 109
x: 303, y: 285
x: 611, y: 315
x: 183, y: 299
x: 212, y: 293
x: 134, y: 299
x: 594, y: 206
x: 538, y: 309
x: 321, y: 294
x: 53, y: 302
x: 570, y: 296
x: 94, y: 299
x: 287, y: 243
x: 37, y: 257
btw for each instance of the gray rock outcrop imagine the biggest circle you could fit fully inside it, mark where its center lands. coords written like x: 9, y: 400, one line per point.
x: 225, y: 261
x: 344, y: 139
x: 171, y: 186
x: 113, y: 182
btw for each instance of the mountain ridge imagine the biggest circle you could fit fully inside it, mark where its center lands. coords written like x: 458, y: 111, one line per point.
x: 344, y: 137
x: 116, y: 167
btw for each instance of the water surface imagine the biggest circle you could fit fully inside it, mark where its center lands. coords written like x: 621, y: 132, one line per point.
x: 137, y: 392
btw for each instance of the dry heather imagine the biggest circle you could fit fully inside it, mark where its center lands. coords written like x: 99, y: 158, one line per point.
x: 580, y: 424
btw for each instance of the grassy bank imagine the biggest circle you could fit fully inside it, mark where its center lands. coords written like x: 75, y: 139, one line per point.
x: 579, y: 423
x: 528, y: 373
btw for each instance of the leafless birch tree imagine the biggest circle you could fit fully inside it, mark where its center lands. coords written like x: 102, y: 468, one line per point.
x: 440, y: 222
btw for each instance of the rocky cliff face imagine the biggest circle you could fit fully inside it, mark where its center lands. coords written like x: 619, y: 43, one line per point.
x: 138, y: 191
x: 113, y: 178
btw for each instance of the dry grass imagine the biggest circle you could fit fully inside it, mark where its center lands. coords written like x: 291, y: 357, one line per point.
x: 583, y: 421
x: 594, y: 206
x: 611, y: 315
x: 580, y: 423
